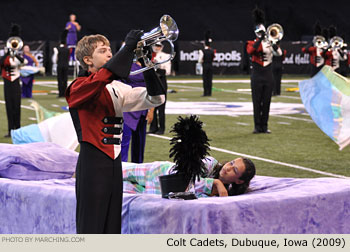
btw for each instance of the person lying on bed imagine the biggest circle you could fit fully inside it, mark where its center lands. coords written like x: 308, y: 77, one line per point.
x: 228, y: 179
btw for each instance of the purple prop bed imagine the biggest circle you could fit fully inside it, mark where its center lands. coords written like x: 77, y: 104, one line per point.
x: 275, y: 205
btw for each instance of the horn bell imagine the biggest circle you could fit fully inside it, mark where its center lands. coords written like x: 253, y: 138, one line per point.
x: 274, y: 33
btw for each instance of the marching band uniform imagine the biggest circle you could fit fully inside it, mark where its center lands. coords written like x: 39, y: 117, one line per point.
x: 206, y: 57
x: 96, y: 103
x: 262, y: 80
x: 12, y: 89
x: 63, y: 55
x: 316, y: 58
x: 343, y: 64
x: 158, y: 123
x: 277, y: 68
x: 333, y: 58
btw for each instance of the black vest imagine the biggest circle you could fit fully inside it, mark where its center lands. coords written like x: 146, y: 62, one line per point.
x: 208, y: 55
x: 63, y: 57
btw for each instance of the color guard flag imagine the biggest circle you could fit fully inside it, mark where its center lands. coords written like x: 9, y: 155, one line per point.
x: 52, y: 127
x: 326, y: 98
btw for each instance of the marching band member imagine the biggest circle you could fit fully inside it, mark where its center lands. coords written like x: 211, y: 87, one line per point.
x: 10, y: 64
x: 343, y: 64
x: 316, y: 50
x: 158, y: 123
x: 27, y: 81
x: 277, y: 68
x: 334, y: 54
x: 206, y: 58
x: 61, y: 59
x: 96, y: 102
x: 262, y: 81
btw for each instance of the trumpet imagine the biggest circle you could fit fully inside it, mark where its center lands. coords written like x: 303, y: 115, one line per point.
x: 319, y: 41
x: 14, y: 44
x: 336, y: 42
x: 274, y: 33
x: 167, y: 31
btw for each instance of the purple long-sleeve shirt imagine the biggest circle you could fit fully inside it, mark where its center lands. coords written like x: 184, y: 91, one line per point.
x: 72, y: 34
x: 132, y: 118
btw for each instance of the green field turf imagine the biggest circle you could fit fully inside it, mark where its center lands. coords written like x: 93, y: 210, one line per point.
x: 296, y: 142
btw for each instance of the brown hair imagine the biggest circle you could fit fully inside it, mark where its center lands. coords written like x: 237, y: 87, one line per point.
x: 86, y: 47
x: 233, y: 188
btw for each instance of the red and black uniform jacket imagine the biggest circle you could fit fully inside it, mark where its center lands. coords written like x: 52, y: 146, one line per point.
x: 262, y: 51
x: 316, y: 55
x: 97, y: 102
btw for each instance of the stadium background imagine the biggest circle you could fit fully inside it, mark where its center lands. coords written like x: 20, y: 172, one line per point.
x: 230, y: 23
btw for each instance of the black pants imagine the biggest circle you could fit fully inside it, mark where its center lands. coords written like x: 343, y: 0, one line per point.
x: 277, y: 75
x: 158, y: 123
x: 207, y: 78
x: 62, y: 78
x: 12, y: 93
x: 262, y: 83
x: 99, y: 192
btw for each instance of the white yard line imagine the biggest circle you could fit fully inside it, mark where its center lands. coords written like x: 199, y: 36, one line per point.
x: 293, y: 118
x: 228, y: 91
x: 266, y: 160
x: 22, y: 106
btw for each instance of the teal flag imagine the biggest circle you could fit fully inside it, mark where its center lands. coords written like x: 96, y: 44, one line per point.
x: 326, y: 98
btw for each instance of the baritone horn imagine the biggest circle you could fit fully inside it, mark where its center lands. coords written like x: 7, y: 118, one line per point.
x: 14, y: 44
x: 319, y: 42
x: 274, y: 33
x: 166, y: 31
x: 336, y: 43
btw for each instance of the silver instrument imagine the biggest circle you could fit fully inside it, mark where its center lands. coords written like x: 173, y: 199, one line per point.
x: 274, y: 33
x: 14, y: 44
x: 336, y: 42
x: 167, y: 32
x: 320, y: 42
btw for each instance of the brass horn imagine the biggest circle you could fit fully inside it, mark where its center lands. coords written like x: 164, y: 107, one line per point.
x: 14, y: 43
x: 166, y: 31
x: 319, y: 41
x: 274, y: 33
x: 336, y: 42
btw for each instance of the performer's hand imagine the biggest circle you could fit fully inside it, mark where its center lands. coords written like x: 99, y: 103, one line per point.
x: 132, y: 38
x: 263, y: 34
x: 149, y: 116
x: 275, y: 47
x: 219, y: 189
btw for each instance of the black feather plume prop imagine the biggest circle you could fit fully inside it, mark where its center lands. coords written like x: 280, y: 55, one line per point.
x: 15, y: 30
x: 189, y: 146
x: 258, y: 16
x: 325, y: 33
x: 317, y: 28
x: 332, y: 31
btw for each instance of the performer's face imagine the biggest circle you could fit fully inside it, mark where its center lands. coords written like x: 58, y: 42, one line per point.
x: 157, y: 48
x: 26, y: 49
x: 232, y: 171
x: 101, y: 55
